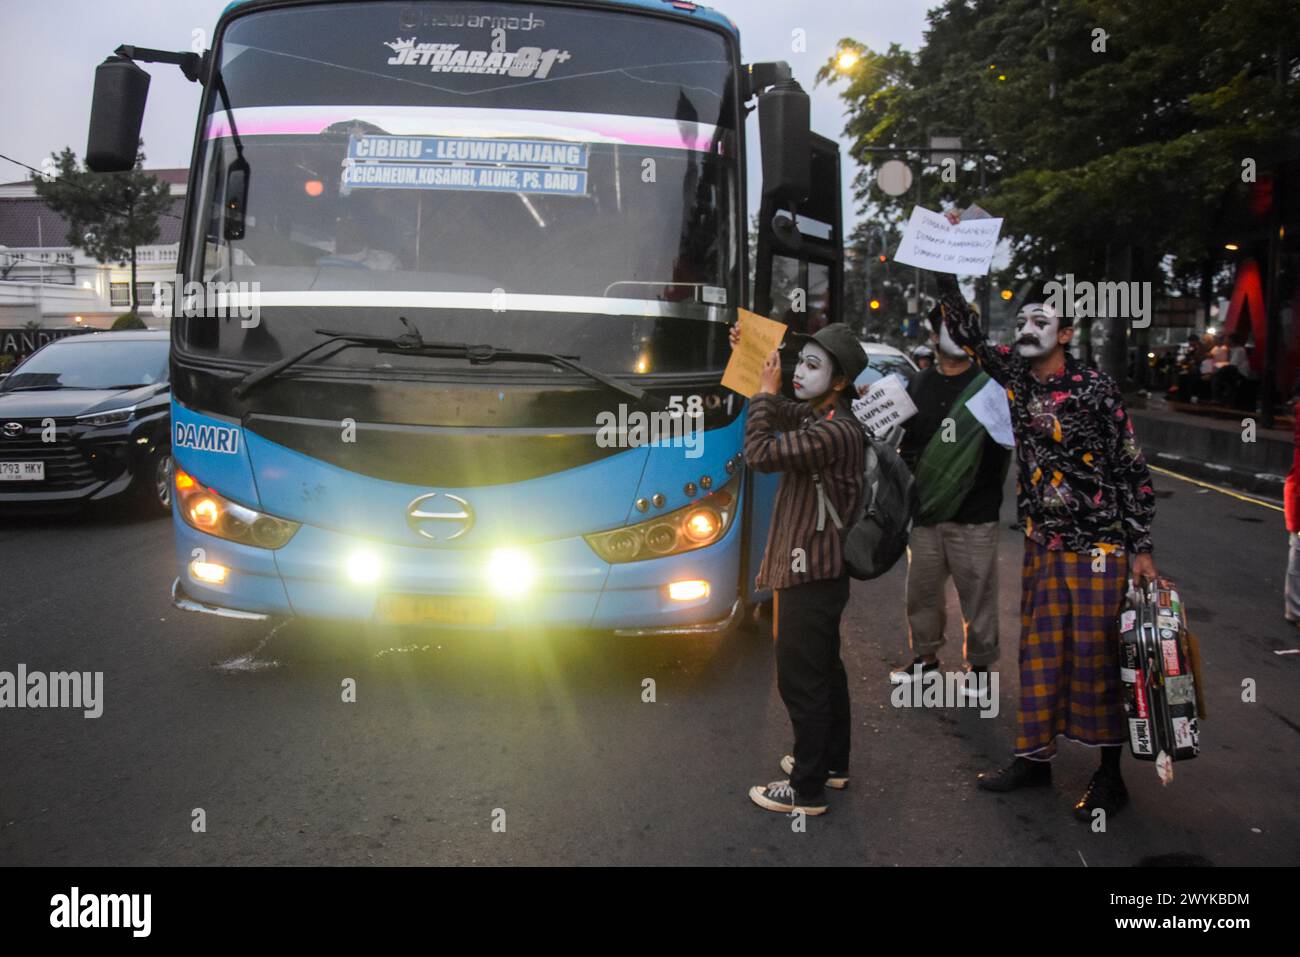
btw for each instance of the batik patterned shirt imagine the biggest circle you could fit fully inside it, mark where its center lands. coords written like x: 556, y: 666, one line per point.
x: 1083, y: 483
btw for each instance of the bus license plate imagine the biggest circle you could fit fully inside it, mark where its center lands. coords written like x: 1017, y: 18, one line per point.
x: 433, y: 610
x: 22, y: 471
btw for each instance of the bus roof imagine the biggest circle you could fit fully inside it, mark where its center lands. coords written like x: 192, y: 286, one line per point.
x: 683, y: 8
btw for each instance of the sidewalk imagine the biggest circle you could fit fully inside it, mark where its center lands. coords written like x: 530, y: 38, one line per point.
x: 1211, y: 448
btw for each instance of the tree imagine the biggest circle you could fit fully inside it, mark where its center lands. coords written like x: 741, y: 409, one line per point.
x: 128, y: 320
x: 109, y: 214
x: 1112, y: 125
x: 1116, y: 129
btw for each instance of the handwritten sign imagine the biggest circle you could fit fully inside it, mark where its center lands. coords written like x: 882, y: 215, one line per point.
x: 931, y: 242
x: 990, y: 407
x: 758, y: 337
x: 885, y: 405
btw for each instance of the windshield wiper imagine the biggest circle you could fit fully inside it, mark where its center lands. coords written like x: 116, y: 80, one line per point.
x: 412, y: 343
x: 248, y: 382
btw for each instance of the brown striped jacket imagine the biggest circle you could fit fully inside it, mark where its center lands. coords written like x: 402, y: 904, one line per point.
x: 785, y: 436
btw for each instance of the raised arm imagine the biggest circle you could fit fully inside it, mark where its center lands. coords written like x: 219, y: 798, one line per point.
x: 770, y: 449
x: 963, y: 325
x: 785, y: 413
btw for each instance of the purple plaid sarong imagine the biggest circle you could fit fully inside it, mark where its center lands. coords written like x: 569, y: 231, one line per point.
x: 1069, y: 649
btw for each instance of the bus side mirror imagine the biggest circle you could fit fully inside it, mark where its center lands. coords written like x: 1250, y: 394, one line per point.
x: 785, y: 131
x: 786, y: 235
x: 236, y: 200
x: 116, y: 114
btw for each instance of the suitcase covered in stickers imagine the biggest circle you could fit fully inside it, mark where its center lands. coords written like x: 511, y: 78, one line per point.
x: 1156, y: 655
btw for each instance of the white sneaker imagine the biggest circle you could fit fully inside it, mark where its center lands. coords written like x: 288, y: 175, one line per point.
x: 835, y: 780
x: 780, y: 796
x: 915, y: 671
x: 975, y: 685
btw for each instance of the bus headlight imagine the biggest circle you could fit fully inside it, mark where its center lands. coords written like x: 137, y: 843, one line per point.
x: 211, y: 512
x: 688, y: 590
x: 702, y: 524
x: 209, y: 573
x: 364, y: 567
x: 693, y: 526
x: 510, y: 572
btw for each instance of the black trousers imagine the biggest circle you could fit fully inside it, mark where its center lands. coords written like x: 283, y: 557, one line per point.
x: 811, y: 679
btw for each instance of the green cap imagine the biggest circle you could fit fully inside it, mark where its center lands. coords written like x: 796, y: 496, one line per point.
x: 840, y: 341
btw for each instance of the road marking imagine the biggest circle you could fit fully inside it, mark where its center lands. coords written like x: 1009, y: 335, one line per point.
x: 1218, y: 488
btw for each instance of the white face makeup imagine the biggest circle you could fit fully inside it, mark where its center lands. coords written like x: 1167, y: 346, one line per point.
x: 1036, y: 330
x: 812, y: 376
x: 948, y: 347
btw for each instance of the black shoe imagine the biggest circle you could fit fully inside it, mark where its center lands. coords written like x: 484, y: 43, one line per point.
x: 1105, y: 791
x: 1020, y: 773
x: 913, y: 672
x: 780, y: 796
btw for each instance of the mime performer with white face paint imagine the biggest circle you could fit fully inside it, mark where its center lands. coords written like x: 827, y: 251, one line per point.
x: 960, y: 471
x: 819, y: 448
x: 1085, y: 500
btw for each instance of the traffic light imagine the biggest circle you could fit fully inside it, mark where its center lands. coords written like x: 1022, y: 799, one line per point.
x: 875, y: 305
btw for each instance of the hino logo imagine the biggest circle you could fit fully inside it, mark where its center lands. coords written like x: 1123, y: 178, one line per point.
x: 419, y: 515
x: 12, y: 429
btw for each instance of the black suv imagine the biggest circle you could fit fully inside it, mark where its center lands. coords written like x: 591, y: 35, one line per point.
x: 86, y: 418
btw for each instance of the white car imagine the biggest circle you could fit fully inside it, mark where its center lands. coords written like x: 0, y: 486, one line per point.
x: 883, y: 360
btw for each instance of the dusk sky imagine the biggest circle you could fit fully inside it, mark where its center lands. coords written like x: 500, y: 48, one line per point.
x: 48, y: 55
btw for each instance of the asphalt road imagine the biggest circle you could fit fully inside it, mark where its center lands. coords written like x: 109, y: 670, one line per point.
x: 552, y: 738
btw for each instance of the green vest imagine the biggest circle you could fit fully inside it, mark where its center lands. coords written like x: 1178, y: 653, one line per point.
x: 946, y: 471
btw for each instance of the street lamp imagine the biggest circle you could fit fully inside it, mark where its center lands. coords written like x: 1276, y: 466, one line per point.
x: 847, y: 59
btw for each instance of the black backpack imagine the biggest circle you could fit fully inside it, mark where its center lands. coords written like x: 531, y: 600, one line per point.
x: 877, y: 537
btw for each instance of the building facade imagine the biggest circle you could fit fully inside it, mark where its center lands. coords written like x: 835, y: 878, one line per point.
x: 48, y: 287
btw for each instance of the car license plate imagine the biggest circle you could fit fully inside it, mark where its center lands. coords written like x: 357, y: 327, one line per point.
x: 433, y: 610
x: 22, y: 471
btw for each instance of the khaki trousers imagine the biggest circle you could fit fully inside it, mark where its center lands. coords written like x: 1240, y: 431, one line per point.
x: 968, y: 554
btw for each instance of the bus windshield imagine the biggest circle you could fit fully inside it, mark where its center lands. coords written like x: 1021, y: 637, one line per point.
x: 538, y: 178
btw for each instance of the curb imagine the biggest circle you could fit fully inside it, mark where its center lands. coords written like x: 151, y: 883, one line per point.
x: 1261, y: 483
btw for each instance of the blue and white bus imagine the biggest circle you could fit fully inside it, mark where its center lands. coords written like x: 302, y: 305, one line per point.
x: 481, y: 246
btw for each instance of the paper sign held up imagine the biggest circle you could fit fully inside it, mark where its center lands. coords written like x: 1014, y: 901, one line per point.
x: 885, y: 405
x: 931, y: 242
x: 758, y: 337
x: 990, y: 407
